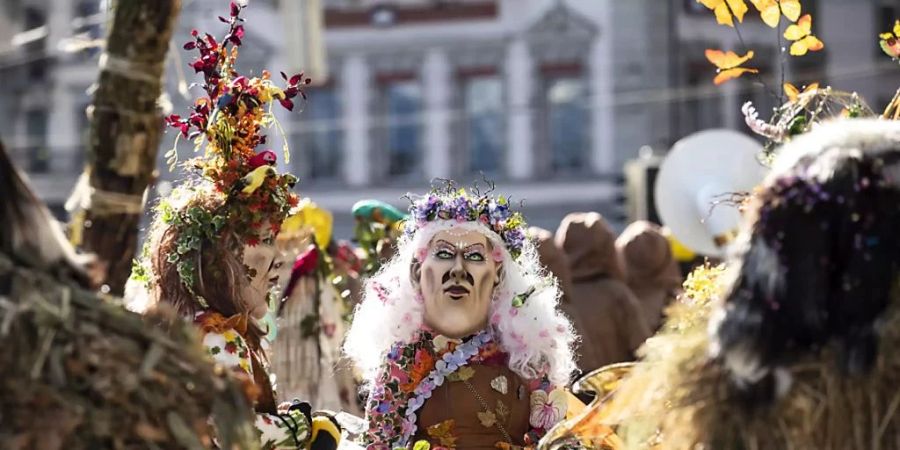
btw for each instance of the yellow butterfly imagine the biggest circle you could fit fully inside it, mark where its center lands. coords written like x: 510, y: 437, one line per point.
x: 801, y: 34
x: 793, y: 93
x: 771, y: 10
x: 727, y: 64
x: 725, y: 9
x: 890, y: 42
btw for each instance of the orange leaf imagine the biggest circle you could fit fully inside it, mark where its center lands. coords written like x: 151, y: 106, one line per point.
x: 730, y: 74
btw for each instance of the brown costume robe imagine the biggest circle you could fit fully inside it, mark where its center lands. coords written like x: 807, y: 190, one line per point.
x: 554, y: 259
x: 650, y: 269
x: 603, y: 309
x: 455, y: 401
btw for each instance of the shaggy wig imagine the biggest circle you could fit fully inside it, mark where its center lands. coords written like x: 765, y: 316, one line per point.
x: 819, y: 258
x: 538, y: 338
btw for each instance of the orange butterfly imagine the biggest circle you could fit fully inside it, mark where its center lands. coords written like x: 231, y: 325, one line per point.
x: 727, y: 64
x: 801, y: 34
x: 793, y: 93
x: 890, y: 42
x: 771, y: 10
x: 724, y: 9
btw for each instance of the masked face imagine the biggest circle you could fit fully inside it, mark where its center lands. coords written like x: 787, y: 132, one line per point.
x: 457, y: 278
x: 264, y: 263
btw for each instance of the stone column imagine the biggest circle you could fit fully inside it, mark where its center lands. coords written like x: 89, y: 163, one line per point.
x: 519, y: 85
x: 355, y: 81
x: 603, y: 155
x: 436, y: 84
x: 63, y: 134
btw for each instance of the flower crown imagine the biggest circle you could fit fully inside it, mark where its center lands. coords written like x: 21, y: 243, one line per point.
x: 450, y: 203
x: 251, y: 197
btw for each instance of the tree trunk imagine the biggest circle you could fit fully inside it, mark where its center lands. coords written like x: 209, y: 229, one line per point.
x: 125, y: 131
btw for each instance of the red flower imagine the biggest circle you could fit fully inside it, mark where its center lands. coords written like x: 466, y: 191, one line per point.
x: 287, y: 104
x: 306, y: 263
x: 253, y: 241
x: 231, y: 347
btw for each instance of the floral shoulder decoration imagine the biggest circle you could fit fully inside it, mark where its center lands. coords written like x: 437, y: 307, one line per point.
x: 451, y: 203
x: 228, y: 123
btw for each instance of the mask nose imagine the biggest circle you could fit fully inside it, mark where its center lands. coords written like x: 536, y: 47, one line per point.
x: 458, y: 272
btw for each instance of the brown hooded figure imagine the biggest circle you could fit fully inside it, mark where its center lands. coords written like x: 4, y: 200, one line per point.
x: 650, y: 269
x: 604, y: 310
x: 554, y: 259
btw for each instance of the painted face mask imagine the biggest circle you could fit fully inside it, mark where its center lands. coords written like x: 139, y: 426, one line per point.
x: 457, y: 277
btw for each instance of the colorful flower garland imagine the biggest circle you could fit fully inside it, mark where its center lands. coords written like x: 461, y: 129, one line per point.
x: 449, y: 363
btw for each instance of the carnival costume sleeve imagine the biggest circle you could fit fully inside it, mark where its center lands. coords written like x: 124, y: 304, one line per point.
x: 285, y: 430
x: 390, y: 393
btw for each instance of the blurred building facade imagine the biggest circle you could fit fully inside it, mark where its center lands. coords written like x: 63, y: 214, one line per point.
x: 546, y: 97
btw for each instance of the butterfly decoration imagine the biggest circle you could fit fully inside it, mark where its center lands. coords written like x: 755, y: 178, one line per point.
x: 771, y: 10
x: 726, y: 10
x: 793, y: 94
x: 728, y: 64
x: 890, y: 41
x: 801, y: 34
x: 443, y: 433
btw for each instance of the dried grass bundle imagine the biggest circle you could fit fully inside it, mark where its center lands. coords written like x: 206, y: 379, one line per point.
x: 678, y: 398
x: 80, y: 372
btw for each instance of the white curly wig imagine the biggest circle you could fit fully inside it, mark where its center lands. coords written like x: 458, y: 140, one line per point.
x: 537, y: 336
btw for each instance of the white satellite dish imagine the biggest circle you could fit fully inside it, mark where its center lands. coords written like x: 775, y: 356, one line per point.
x: 699, y: 172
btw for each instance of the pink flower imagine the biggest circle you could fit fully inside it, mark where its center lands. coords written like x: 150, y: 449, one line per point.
x: 547, y: 409
x: 497, y: 254
x: 544, y: 334
x: 421, y: 253
x: 495, y: 319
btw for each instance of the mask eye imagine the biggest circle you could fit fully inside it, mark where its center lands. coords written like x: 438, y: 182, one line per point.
x: 474, y: 256
x: 443, y: 254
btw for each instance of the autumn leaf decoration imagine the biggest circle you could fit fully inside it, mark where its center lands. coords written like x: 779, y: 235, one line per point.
x: 726, y: 10
x: 770, y: 11
x: 801, y: 34
x: 793, y: 94
x: 728, y: 64
x: 890, y: 41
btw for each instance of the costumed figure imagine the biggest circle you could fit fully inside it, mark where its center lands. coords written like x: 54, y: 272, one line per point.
x: 458, y: 337
x: 553, y: 259
x: 81, y: 372
x: 795, y: 345
x: 210, y: 251
x: 311, y: 315
x: 604, y: 310
x: 378, y: 226
x: 651, y: 271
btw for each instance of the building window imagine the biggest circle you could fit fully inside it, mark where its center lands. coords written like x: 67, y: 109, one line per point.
x: 402, y: 126
x: 320, y: 137
x: 484, y: 123
x: 567, y: 122
x: 36, y: 146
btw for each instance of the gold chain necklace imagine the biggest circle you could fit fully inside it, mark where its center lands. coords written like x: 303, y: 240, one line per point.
x: 488, y: 410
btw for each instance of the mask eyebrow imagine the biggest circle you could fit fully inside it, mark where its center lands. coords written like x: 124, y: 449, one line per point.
x: 475, y: 247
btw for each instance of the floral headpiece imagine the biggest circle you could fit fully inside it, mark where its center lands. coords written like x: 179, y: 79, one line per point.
x: 253, y: 199
x: 450, y: 203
